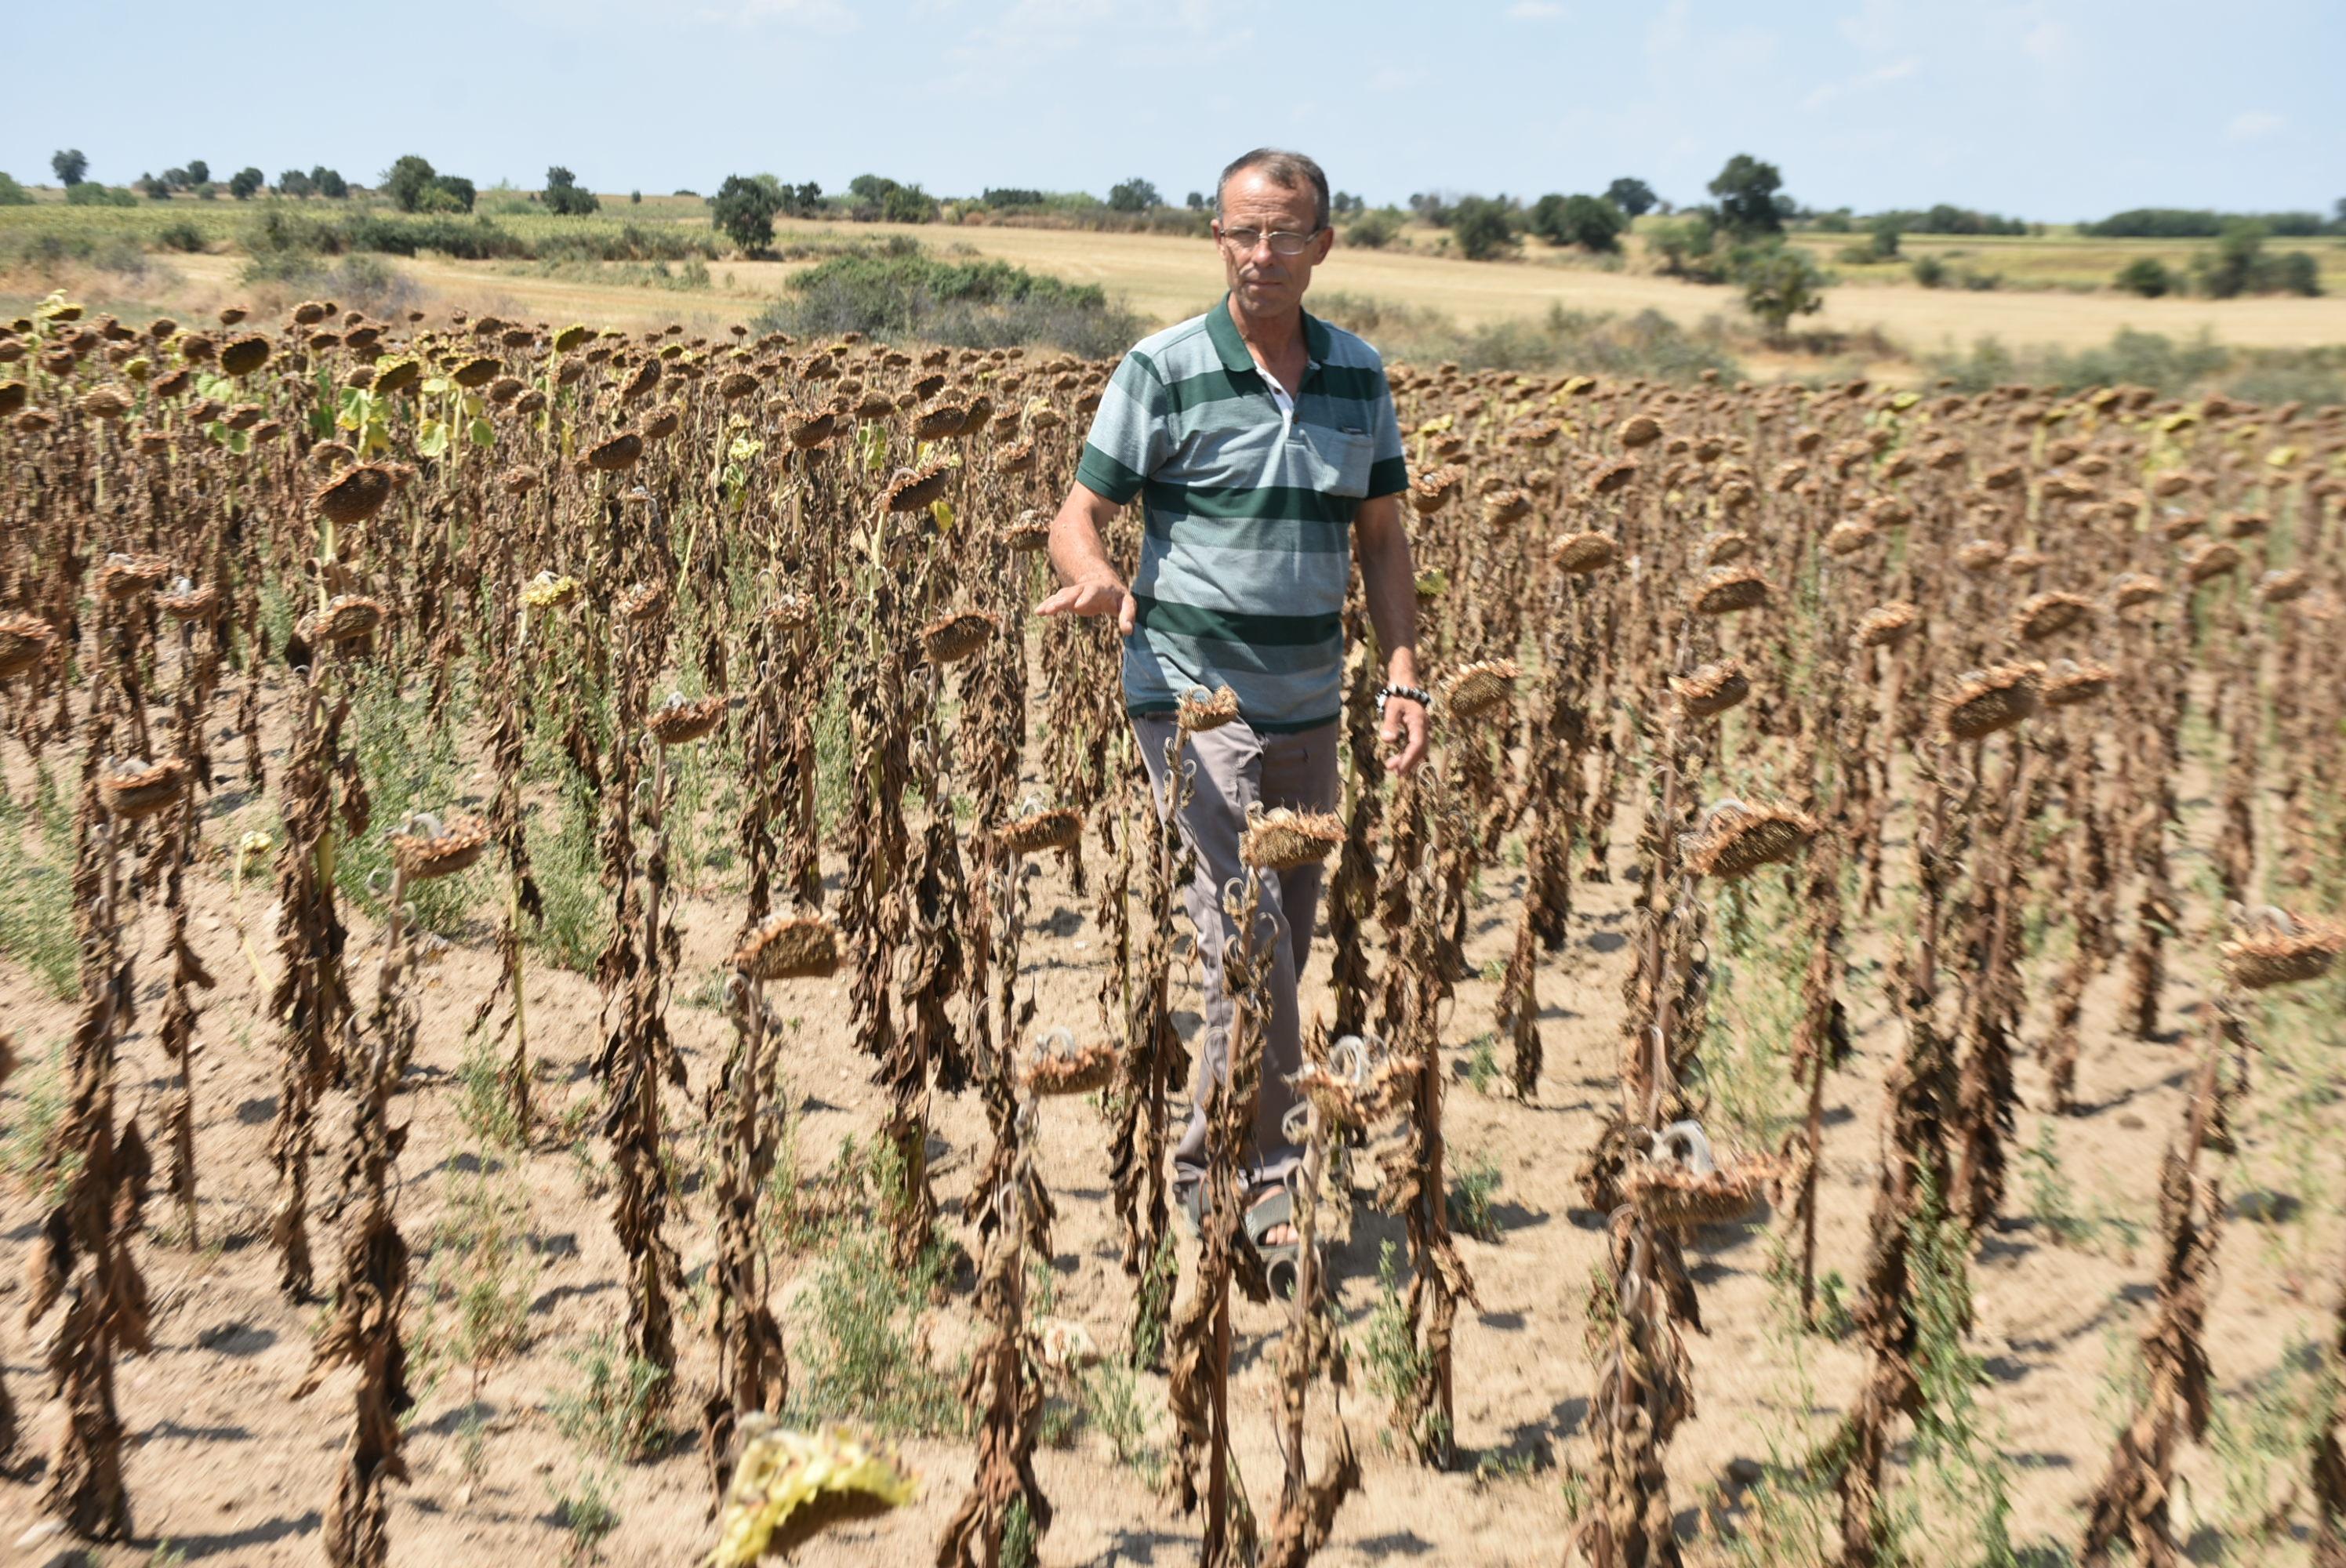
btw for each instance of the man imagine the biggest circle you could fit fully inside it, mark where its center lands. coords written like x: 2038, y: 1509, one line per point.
x: 1263, y: 445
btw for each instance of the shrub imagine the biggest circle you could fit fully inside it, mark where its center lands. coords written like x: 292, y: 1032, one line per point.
x: 1373, y: 231
x: 88, y: 194
x: 1599, y: 342
x: 13, y: 194
x: 245, y: 182
x: 900, y: 292
x: 2297, y: 273
x: 476, y: 241
x: 2146, y: 276
x: 181, y: 236
x: 1686, y: 248
x: 1588, y: 221
x: 1930, y: 272
x: 1482, y: 227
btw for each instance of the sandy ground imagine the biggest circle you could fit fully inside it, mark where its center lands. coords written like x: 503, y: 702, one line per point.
x: 225, y: 1468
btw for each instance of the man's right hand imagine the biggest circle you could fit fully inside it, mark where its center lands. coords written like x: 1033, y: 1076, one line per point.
x: 1092, y: 597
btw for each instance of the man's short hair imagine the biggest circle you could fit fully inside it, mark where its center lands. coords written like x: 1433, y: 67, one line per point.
x: 1292, y: 170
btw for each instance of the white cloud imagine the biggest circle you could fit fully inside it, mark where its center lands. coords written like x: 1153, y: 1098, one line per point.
x: 1864, y: 81
x: 2252, y: 125
x: 1534, y: 10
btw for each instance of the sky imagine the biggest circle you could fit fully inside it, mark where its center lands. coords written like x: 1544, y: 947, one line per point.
x: 2046, y: 109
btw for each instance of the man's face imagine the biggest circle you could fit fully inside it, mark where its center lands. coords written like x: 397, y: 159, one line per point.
x: 1261, y: 281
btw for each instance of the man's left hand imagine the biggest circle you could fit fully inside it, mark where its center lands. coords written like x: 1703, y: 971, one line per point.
x: 1404, y: 727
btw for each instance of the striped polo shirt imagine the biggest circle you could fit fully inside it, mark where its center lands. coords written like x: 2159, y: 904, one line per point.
x: 1248, y: 513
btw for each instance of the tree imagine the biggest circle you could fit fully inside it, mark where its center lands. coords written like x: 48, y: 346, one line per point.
x: 293, y: 182
x: 1634, y: 197
x: 1134, y: 195
x: 1195, y: 202
x: 198, y: 171
x: 152, y: 188
x: 13, y: 194
x: 1746, y: 189
x: 1884, y: 232
x: 71, y: 167
x: 407, y: 180
x: 745, y: 208
x: 2146, y: 276
x: 1779, y: 283
x: 177, y: 179
x: 635, y: 199
x: 246, y: 182
x: 1482, y: 227
x: 329, y: 184
x: 566, y: 200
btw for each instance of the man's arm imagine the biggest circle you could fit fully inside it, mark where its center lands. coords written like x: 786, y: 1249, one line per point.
x: 1389, y: 583
x: 1092, y: 586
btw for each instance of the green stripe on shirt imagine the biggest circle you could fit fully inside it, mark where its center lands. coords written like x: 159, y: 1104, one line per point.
x: 1235, y: 625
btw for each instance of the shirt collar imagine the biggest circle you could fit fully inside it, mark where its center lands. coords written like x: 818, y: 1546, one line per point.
x: 1317, y: 341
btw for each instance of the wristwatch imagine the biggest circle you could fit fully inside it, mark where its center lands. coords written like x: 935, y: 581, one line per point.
x: 1416, y: 693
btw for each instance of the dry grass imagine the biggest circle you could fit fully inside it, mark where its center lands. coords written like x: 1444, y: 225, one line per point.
x: 1165, y: 280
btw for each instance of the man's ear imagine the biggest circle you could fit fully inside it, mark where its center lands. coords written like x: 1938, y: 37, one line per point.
x: 1326, y: 242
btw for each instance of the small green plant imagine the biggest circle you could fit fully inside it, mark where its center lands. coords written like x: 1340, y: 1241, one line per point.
x: 2263, y: 1434
x: 2050, y: 1203
x: 856, y: 1354
x: 1836, y: 1315
x: 1963, y: 1461
x: 36, y: 923
x: 483, y: 1103
x: 1396, y: 1364
x: 1483, y: 1069
x: 481, y: 1280
x: 1018, y: 1537
x: 568, y: 869
x: 1110, y: 1396
x: 1471, y: 1192
x: 28, y: 1143
x: 1155, y: 1305
x: 613, y: 1411
x: 585, y: 1510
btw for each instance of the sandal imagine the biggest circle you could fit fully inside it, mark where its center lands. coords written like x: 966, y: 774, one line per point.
x: 1190, y: 1199
x: 1281, y: 1261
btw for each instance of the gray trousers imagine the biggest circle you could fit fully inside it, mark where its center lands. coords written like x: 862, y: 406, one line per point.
x: 1236, y: 767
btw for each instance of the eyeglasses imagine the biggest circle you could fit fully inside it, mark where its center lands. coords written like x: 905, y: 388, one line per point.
x: 1283, y: 241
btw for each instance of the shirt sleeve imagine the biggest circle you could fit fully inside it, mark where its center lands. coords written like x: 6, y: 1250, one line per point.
x: 1389, y: 472
x: 1132, y: 433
